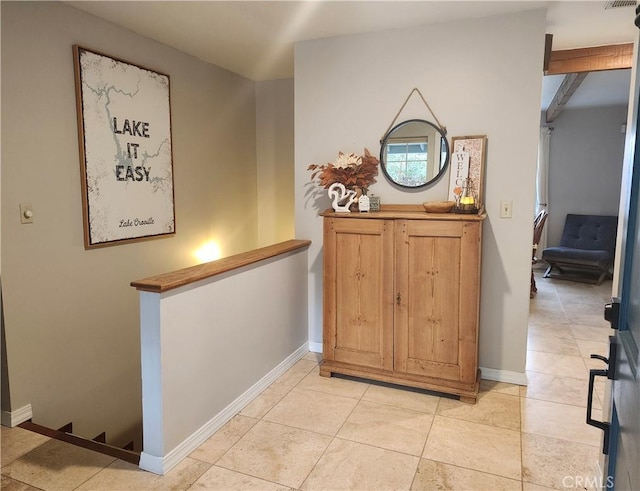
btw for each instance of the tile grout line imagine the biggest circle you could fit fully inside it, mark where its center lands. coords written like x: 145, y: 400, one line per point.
x: 563, y: 440
x: 333, y: 437
x: 426, y: 440
x: 261, y: 419
x: 582, y: 381
x: 3, y: 465
x: 22, y: 482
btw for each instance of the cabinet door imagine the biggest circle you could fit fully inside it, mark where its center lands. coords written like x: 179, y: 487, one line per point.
x: 436, y: 316
x: 358, y: 292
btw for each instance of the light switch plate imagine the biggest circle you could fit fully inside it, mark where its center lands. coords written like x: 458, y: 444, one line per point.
x: 506, y: 209
x: 26, y: 213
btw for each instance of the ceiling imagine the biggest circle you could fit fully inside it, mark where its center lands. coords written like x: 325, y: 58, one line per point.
x: 256, y: 38
x: 605, y: 88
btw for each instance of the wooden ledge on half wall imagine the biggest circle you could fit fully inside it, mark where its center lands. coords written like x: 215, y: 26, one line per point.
x: 175, y: 279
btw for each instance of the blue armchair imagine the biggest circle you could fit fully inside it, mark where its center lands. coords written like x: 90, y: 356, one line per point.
x: 587, y: 246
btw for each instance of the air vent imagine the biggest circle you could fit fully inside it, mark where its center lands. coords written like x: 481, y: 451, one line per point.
x: 616, y: 4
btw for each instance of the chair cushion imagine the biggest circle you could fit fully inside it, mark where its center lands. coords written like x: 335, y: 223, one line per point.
x: 580, y: 257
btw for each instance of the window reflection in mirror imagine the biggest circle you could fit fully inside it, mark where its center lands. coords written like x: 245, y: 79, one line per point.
x: 414, y: 153
x: 407, y: 162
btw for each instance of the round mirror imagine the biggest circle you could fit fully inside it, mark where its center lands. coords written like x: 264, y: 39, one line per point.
x: 414, y: 153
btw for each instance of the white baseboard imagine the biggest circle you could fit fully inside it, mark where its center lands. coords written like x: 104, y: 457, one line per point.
x: 162, y: 465
x: 518, y: 378
x: 152, y: 463
x: 315, y: 347
x: 14, y: 418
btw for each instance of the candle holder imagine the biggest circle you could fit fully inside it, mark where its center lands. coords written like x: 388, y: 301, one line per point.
x: 466, y: 202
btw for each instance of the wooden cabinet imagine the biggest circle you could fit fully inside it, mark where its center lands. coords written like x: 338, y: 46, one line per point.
x: 401, y: 299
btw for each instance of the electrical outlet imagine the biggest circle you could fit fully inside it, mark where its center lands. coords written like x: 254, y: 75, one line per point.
x: 506, y: 209
x: 26, y: 213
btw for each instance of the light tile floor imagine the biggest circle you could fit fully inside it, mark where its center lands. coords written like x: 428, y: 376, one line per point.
x: 311, y: 433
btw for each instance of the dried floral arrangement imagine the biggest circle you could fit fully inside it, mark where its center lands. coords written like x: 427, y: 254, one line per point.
x: 350, y: 169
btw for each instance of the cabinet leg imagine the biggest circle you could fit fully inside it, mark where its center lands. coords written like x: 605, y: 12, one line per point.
x: 324, y: 372
x: 468, y: 399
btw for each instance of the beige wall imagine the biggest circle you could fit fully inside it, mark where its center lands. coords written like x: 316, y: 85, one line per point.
x: 484, y: 77
x: 274, y: 132
x: 72, y: 322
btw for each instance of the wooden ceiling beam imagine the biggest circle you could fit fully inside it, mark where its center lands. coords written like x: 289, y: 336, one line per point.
x: 568, y: 86
x: 611, y: 57
x: 548, y: 43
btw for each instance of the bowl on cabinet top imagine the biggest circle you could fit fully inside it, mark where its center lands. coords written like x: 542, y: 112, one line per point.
x: 438, y: 206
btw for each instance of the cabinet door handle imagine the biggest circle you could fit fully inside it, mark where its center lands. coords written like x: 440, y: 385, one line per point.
x: 398, y: 299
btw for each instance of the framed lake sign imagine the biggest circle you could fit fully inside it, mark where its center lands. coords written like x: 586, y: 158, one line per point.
x: 124, y: 130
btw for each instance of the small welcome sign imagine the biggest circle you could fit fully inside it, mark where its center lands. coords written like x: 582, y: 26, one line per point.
x: 124, y: 128
x: 467, y: 160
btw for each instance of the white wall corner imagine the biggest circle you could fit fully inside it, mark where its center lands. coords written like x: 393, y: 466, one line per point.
x: 315, y: 347
x: 14, y: 418
x: 518, y: 378
x: 162, y: 465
